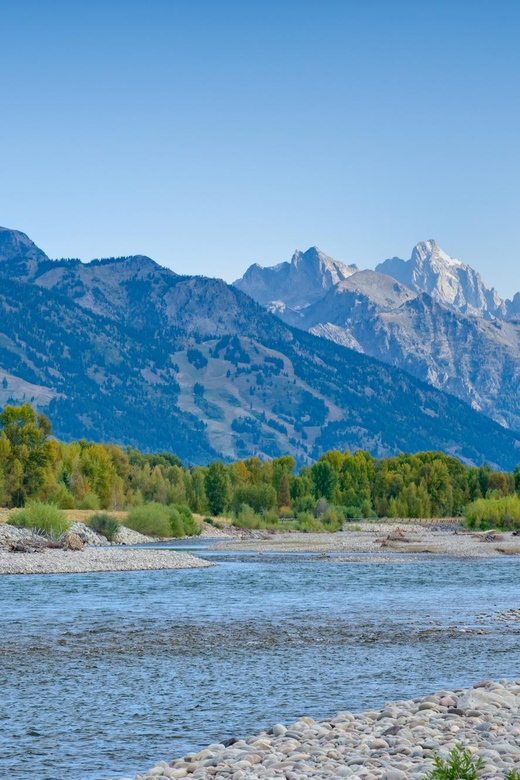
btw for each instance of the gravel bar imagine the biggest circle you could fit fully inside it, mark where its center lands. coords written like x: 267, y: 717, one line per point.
x: 372, y: 537
x: 96, y: 559
x: 395, y: 743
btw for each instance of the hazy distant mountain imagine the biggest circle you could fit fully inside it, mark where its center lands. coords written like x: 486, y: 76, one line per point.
x: 432, y: 316
x: 124, y: 350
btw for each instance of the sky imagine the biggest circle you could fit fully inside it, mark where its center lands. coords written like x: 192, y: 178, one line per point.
x: 210, y: 135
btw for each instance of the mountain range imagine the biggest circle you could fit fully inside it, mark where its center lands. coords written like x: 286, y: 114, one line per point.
x: 123, y: 350
x: 431, y: 315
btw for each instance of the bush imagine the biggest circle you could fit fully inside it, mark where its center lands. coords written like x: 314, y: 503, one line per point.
x: 89, y: 501
x: 460, y: 765
x: 332, y: 520
x: 46, y: 518
x: 151, y: 519
x: 248, y: 518
x: 214, y: 523
x: 308, y: 524
x: 176, y: 524
x: 494, y: 512
x: 189, y: 524
x: 104, y: 524
x: 158, y: 520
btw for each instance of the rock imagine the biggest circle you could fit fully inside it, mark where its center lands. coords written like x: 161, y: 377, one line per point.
x: 447, y: 701
x: 279, y: 730
x: 394, y: 774
x: 477, y: 698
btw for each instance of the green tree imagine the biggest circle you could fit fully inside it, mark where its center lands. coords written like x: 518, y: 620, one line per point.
x: 217, y: 487
x: 325, y: 479
x: 259, y: 497
x: 284, y: 491
x: 26, y: 453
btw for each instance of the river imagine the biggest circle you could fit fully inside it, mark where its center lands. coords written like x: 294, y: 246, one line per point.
x: 103, y: 675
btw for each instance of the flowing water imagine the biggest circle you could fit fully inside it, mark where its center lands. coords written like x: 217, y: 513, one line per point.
x: 103, y: 675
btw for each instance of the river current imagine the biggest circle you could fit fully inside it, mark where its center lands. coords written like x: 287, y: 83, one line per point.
x: 102, y: 675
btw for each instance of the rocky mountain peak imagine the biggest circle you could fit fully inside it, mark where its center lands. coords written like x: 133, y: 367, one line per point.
x: 20, y: 252
x: 430, y: 269
x: 298, y: 283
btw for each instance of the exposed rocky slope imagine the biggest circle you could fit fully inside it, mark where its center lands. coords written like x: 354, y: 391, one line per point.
x: 124, y: 350
x: 447, y: 280
x: 433, y: 317
x: 296, y: 284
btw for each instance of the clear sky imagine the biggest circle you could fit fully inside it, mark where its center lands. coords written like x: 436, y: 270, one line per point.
x: 212, y: 134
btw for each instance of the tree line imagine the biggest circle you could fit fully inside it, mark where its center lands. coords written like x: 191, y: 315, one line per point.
x: 87, y: 475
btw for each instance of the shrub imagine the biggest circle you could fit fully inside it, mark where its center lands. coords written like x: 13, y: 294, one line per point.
x: 151, y: 519
x: 104, y: 524
x: 248, y: 518
x: 46, y: 518
x: 89, y: 501
x: 189, y: 524
x: 494, y: 513
x: 307, y: 523
x: 214, y: 523
x: 271, y: 519
x: 176, y: 524
x: 332, y: 520
x: 460, y: 765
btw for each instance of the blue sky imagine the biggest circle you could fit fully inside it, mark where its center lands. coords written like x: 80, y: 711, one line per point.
x: 211, y: 135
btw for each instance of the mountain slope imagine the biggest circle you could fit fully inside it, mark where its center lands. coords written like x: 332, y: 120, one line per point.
x: 193, y: 365
x: 438, y: 336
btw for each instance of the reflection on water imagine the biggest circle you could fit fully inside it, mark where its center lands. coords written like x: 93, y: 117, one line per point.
x: 102, y: 675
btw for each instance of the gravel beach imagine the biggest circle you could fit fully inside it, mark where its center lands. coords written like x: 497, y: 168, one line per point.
x: 96, y: 559
x: 388, y: 537
x: 394, y: 743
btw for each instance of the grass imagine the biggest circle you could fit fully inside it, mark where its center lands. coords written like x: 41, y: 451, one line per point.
x: 45, y: 518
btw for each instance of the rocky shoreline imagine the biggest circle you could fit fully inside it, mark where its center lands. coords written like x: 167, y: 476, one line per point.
x: 96, y: 559
x: 397, y: 742
x: 98, y: 555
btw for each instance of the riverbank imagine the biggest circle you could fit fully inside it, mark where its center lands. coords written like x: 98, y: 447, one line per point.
x: 388, y: 537
x: 397, y: 742
x: 94, y: 559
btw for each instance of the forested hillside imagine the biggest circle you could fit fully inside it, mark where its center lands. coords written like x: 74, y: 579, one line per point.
x: 125, y: 351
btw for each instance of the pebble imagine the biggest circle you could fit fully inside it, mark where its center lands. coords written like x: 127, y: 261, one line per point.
x: 398, y: 742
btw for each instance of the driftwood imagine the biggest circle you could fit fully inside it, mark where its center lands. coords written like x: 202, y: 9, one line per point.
x: 396, y: 535
x: 71, y: 542
x: 492, y: 536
